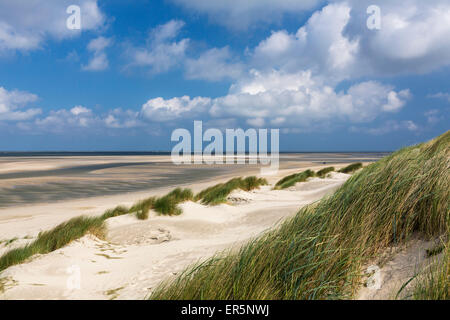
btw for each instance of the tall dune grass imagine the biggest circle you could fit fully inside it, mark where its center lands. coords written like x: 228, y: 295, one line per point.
x: 168, y: 205
x: 56, y: 238
x: 218, y: 194
x: 78, y: 227
x: 319, y: 253
x: 434, y: 283
x: 292, y: 179
x: 117, y: 211
x: 351, y: 168
x: 323, y: 172
x: 142, y: 208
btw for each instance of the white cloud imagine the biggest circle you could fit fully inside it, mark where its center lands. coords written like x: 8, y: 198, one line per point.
x: 433, y: 116
x: 12, y: 101
x: 396, y: 101
x: 99, y: 61
x: 238, y: 14
x: 413, y: 37
x: 82, y: 118
x: 299, y: 99
x: 77, y: 110
x: 287, y: 100
x: 119, y: 119
x: 99, y: 44
x: 256, y: 122
x: 162, y: 51
x: 159, y: 109
x: 63, y: 120
x: 24, y: 25
x: 336, y: 44
x: 319, y: 46
x: 214, y: 65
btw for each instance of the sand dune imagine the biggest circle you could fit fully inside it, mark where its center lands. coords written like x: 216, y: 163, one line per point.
x: 137, y: 255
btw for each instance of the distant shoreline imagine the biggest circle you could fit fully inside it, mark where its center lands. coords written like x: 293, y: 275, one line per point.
x: 154, y: 153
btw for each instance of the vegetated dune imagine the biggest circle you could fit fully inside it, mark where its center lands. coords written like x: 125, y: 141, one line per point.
x: 136, y: 255
x: 321, y: 252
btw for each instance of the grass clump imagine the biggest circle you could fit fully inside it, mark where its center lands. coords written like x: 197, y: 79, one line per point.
x: 53, y: 239
x: 142, y: 208
x: 117, y: 211
x: 292, y: 179
x: 218, y: 194
x: 76, y: 228
x: 320, y: 253
x: 323, y: 172
x: 434, y: 283
x: 168, y: 205
x: 351, y: 168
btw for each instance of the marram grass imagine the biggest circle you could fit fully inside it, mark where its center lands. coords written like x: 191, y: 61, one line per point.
x: 351, y: 168
x: 434, y: 282
x: 323, y: 172
x: 292, y: 179
x: 56, y: 238
x: 218, y: 194
x: 78, y: 227
x: 319, y: 253
x: 168, y: 205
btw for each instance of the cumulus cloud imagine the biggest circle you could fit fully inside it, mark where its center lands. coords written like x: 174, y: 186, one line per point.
x: 285, y: 100
x: 159, y: 109
x: 413, y: 37
x: 214, y: 65
x: 119, y: 119
x: 24, y: 25
x: 238, y: 14
x: 299, y: 99
x: 335, y: 42
x: 12, y: 105
x: 162, y: 51
x: 319, y: 46
x: 82, y: 118
x: 63, y: 120
x: 99, y: 60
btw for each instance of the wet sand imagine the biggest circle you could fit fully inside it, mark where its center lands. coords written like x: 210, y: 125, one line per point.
x: 47, y: 179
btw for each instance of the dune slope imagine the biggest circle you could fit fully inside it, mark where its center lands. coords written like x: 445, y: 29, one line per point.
x: 319, y: 254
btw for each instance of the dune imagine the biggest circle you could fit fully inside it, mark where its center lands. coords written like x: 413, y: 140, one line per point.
x: 137, y: 255
x: 322, y: 252
x: 314, y: 239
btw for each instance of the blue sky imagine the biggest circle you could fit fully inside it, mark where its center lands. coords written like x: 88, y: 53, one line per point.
x: 139, y: 69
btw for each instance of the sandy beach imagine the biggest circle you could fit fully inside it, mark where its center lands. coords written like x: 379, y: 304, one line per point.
x: 137, y: 255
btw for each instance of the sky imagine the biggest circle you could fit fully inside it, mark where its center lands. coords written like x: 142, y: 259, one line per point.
x: 330, y: 75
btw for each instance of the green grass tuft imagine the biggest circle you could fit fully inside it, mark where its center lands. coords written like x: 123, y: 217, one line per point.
x: 351, y: 168
x: 292, y: 179
x: 142, y: 208
x: 76, y: 228
x: 53, y: 239
x: 117, y: 211
x: 434, y: 283
x: 218, y: 194
x: 319, y: 253
x: 323, y: 172
x: 168, y: 205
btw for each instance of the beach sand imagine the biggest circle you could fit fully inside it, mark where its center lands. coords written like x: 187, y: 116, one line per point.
x: 137, y: 255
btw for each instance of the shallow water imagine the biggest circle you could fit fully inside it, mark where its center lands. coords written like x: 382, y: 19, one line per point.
x: 76, y: 180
